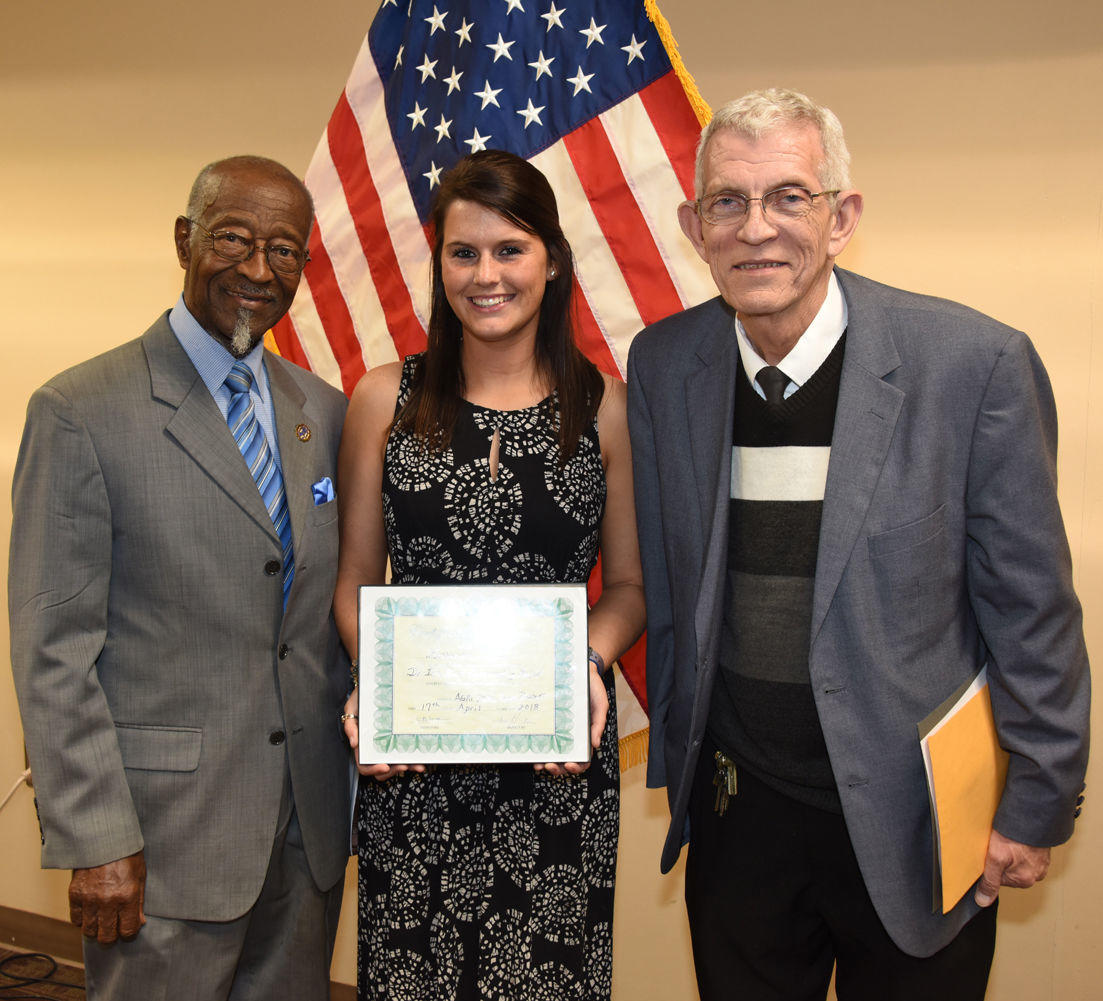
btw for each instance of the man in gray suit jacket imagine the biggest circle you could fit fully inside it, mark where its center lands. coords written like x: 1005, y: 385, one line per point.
x: 175, y: 656
x: 847, y: 509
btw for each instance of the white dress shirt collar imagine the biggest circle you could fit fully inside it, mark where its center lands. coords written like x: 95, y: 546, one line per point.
x: 810, y: 351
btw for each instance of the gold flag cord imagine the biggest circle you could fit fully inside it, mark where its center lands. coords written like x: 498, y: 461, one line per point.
x: 633, y: 749
x: 662, y: 26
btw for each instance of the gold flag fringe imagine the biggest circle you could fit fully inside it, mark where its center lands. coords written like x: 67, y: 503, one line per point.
x: 662, y: 26
x: 633, y: 749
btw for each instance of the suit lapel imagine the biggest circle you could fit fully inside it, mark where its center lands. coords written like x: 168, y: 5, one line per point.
x: 865, y: 421
x: 196, y: 423
x: 295, y: 454
x: 710, y: 401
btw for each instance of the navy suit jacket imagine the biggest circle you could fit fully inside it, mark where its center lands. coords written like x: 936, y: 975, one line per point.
x: 941, y: 550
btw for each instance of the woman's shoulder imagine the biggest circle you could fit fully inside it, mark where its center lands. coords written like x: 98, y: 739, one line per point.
x: 612, y: 413
x: 376, y: 394
x: 614, y: 399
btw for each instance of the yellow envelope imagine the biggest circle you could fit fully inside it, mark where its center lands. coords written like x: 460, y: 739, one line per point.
x: 966, y: 771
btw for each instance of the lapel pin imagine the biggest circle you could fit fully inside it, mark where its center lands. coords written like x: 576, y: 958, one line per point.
x: 302, y: 432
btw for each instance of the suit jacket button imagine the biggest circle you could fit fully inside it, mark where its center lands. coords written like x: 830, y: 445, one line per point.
x: 276, y: 737
x: 284, y: 651
x: 272, y: 567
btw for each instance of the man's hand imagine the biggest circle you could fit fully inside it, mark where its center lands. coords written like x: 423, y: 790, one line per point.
x: 106, y: 902
x: 1010, y: 863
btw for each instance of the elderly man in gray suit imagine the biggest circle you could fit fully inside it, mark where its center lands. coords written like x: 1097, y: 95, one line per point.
x: 173, y: 556
x: 847, y: 508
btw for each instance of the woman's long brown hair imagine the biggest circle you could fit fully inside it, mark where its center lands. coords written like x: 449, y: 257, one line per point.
x: 517, y: 191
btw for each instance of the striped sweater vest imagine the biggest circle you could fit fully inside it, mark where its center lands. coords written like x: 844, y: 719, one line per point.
x: 763, y: 714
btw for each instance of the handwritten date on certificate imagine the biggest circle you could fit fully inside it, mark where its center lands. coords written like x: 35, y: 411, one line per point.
x: 452, y: 678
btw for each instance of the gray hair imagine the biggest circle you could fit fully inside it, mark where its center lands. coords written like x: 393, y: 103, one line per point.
x: 205, y: 189
x: 762, y: 111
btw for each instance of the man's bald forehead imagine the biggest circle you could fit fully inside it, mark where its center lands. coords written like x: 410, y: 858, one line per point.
x: 204, y: 190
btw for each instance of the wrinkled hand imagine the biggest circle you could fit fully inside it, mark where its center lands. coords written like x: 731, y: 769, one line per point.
x: 599, y: 710
x: 352, y: 732
x: 1010, y: 863
x: 106, y: 902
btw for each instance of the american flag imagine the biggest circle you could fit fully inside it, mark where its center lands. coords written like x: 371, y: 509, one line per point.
x: 592, y: 92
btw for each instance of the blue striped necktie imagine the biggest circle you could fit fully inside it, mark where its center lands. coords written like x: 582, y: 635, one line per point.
x: 249, y: 436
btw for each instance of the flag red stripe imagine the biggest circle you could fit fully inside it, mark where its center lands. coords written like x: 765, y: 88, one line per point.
x: 333, y: 312
x: 350, y: 162
x: 621, y: 221
x: 287, y: 341
x: 633, y: 665
x: 676, y: 124
x: 589, y: 336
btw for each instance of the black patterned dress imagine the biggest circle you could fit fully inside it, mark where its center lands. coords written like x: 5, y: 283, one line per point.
x: 481, y: 881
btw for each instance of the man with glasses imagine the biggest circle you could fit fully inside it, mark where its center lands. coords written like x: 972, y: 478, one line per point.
x: 173, y: 557
x: 846, y: 497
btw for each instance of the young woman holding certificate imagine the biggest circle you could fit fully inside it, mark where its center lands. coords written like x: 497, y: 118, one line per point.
x: 500, y: 455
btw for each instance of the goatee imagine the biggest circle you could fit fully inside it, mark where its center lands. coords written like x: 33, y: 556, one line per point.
x: 241, y: 341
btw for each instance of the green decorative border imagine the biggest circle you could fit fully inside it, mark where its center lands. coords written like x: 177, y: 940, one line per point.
x: 387, y: 609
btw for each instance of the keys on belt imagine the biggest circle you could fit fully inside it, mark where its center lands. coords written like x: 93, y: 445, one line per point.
x: 724, y: 780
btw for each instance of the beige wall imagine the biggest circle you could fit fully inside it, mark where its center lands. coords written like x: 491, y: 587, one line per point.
x: 977, y: 141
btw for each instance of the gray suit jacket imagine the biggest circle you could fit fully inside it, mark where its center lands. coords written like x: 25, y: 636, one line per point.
x: 941, y: 548
x: 166, y: 696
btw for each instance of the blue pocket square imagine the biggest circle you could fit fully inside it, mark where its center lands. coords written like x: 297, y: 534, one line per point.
x: 322, y: 491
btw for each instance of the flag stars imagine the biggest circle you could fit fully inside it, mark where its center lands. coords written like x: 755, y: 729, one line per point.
x: 426, y: 69
x: 581, y: 82
x: 542, y: 65
x: 435, y: 21
x: 398, y: 58
x: 501, y: 48
x: 453, y: 81
x: 417, y: 116
x: 444, y: 130
x: 512, y: 5
x: 488, y: 95
x: 553, y: 17
x: 531, y: 114
x: 593, y: 33
x: 634, y: 49
x: 433, y: 175
x: 477, y: 142
x: 463, y: 32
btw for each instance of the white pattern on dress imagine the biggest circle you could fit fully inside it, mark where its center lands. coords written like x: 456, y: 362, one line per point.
x: 467, y: 877
x: 505, y: 956
x: 483, y: 513
x: 519, y: 862
x: 516, y: 843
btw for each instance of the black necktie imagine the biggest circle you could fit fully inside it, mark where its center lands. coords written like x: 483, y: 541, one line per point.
x: 773, y: 382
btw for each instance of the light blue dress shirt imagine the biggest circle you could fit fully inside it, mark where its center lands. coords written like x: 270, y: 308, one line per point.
x: 213, y: 363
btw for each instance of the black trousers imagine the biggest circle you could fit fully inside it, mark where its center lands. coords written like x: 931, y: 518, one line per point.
x: 776, y: 899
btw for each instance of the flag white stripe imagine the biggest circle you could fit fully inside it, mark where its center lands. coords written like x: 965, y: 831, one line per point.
x: 365, y: 95
x: 658, y: 193
x: 599, y: 274
x: 350, y: 268
x: 312, y: 338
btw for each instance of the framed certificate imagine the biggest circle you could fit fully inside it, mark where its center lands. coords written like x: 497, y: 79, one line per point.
x: 473, y: 673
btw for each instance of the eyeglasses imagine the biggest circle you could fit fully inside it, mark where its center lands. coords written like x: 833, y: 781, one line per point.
x: 283, y: 258
x: 780, y: 205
